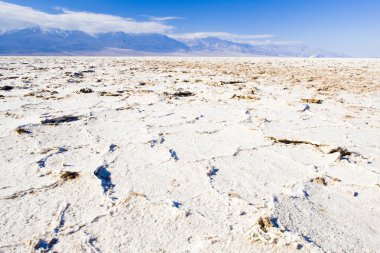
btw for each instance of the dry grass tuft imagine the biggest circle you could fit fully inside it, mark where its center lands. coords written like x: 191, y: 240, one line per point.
x: 60, y: 120
x: 245, y: 97
x: 342, y: 151
x: 85, y: 90
x: 319, y: 180
x: 21, y: 130
x: 294, y: 142
x: 312, y: 100
x: 183, y: 94
x: 265, y: 223
x: 69, y: 175
x: 110, y: 94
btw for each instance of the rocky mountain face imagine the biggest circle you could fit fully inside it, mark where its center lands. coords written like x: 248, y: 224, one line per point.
x: 36, y: 40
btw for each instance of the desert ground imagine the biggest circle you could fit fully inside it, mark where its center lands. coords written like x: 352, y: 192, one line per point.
x: 151, y: 154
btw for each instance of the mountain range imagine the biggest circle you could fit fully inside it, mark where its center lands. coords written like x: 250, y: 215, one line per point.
x: 37, y: 41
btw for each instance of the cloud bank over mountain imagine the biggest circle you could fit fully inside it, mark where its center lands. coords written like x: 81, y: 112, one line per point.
x: 17, y: 17
x: 24, y: 30
x: 14, y: 17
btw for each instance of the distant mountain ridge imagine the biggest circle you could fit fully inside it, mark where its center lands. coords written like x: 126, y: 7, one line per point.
x: 213, y: 44
x: 35, y: 41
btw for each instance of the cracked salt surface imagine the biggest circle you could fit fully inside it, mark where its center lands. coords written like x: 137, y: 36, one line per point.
x: 189, y: 155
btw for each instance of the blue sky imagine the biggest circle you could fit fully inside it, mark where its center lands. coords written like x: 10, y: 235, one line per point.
x: 346, y: 26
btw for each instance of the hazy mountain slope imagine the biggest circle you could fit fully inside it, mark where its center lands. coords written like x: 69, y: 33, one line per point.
x: 35, y: 40
x: 212, y: 44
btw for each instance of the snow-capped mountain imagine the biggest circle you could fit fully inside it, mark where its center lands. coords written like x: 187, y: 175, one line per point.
x: 146, y: 42
x: 39, y: 41
x: 34, y: 41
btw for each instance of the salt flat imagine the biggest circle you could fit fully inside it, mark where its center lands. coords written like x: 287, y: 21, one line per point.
x: 189, y: 155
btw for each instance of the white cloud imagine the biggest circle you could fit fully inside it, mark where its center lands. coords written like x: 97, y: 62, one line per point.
x: 14, y: 16
x: 161, y: 19
x: 221, y: 35
x: 270, y: 42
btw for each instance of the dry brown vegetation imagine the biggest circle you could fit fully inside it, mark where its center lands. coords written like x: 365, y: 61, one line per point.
x: 265, y: 223
x: 319, y: 180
